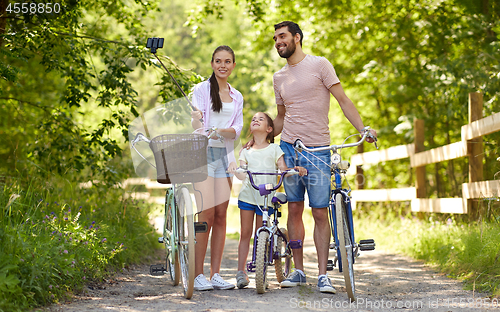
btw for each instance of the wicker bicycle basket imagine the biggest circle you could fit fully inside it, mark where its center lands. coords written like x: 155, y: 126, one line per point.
x: 180, y: 158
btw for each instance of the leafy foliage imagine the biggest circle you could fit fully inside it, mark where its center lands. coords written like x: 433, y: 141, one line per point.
x: 87, y: 52
x: 55, y: 238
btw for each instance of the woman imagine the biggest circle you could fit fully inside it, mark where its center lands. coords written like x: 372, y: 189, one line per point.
x: 220, y: 105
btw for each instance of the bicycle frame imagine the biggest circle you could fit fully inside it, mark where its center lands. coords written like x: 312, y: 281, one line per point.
x: 269, y: 239
x: 268, y: 225
x: 178, y: 233
x: 274, y: 232
x: 340, y: 215
x: 332, y: 215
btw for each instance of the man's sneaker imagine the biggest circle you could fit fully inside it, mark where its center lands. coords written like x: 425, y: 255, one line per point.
x: 294, y: 279
x: 201, y: 283
x: 325, y: 285
x: 218, y: 283
x: 242, y: 280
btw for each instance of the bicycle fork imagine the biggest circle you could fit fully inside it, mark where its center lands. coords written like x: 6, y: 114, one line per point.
x: 363, y: 245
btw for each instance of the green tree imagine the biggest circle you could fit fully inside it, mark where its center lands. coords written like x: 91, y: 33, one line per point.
x: 57, y: 69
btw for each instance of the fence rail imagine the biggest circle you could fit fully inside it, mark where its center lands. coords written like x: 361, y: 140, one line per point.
x: 469, y: 146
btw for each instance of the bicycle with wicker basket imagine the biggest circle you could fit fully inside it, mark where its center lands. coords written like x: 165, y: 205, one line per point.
x: 179, y: 158
x: 345, y: 248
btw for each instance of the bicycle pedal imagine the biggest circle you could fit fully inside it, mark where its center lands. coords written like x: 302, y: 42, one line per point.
x: 367, y: 241
x: 295, y: 243
x: 200, y: 227
x: 367, y: 247
x: 157, y: 269
x: 160, y: 240
x: 250, y: 267
x: 366, y: 244
x: 330, y: 265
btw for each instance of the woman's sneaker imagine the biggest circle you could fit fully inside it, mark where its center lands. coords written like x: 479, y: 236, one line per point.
x: 242, y: 280
x: 218, y: 283
x: 201, y: 283
x: 294, y: 279
x: 325, y: 285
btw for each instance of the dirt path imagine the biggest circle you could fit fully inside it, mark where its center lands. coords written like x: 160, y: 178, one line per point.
x: 384, y: 282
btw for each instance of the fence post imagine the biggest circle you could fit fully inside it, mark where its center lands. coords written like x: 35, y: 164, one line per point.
x: 418, y: 126
x: 420, y: 185
x: 475, y: 151
x: 360, y: 177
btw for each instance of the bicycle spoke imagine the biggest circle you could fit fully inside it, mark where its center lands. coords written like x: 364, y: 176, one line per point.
x: 186, y: 241
x: 261, y: 261
x: 345, y: 246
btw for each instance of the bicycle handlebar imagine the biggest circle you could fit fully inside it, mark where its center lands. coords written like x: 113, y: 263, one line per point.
x: 269, y: 186
x: 366, y: 133
x: 138, y: 138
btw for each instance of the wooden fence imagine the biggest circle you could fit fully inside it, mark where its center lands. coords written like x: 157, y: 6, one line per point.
x: 470, y: 146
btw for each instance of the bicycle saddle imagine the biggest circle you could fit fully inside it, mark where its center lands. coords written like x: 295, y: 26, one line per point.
x: 279, y: 198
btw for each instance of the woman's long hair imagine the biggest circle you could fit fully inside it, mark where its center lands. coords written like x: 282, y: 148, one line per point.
x: 214, y: 85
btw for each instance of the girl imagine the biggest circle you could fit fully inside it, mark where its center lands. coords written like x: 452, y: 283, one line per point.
x: 219, y: 105
x: 261, y: 157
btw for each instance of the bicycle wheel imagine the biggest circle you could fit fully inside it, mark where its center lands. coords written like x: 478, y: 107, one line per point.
x: 282, y: 265
x: 261, y: 261
x: 345, y: 245
x: 172, y: 258
x: 186, y: 241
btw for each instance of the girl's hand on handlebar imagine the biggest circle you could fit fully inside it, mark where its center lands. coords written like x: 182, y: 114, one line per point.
x: 302, y: 171
x: 232, y: 167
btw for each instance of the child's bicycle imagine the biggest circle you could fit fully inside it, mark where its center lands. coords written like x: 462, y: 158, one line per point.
x: 340, y: 214
x: 270, y: 245
x: 186, y: 159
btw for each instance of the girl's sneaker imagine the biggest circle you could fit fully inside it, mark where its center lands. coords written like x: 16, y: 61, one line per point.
x: 218, y: 283
x: 294, y: 279
x: 201, y: 283
x: 242, y: 280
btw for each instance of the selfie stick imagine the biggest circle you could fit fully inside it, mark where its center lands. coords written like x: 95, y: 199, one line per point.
x: 157, y: 43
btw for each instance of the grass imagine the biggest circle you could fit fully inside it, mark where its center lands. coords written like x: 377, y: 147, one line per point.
x: 467, y: 251
x: 56, y: 238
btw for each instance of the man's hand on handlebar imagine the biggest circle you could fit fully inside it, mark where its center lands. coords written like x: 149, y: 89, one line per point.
x: 372, y: 136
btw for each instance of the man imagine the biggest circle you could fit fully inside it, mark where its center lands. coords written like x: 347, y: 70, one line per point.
x: 302, y: 89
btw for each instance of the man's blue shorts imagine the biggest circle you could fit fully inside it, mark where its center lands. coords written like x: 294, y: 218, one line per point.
x: 246, y: 206
x: 317, y: 182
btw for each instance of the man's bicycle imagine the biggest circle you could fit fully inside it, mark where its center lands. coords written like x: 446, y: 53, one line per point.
x: 340, y: 214
x: 179, y: 158
x: 270, y: 245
